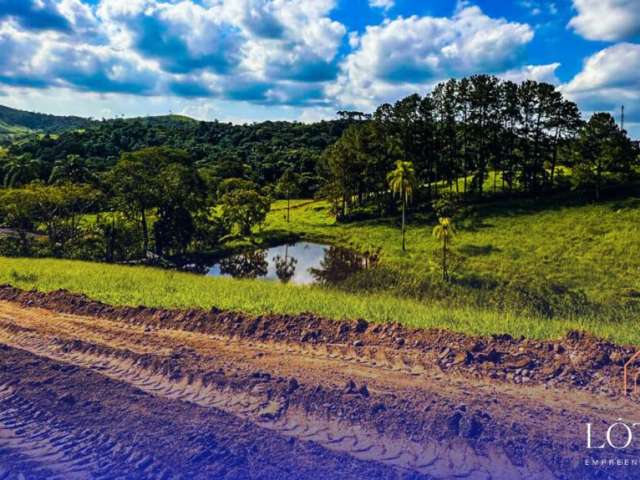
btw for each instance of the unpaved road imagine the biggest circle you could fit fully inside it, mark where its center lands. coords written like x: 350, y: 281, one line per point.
x: 140, y: 393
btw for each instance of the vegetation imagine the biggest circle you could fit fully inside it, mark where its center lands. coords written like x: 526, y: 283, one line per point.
x: 401, y: 182
x: 120, y: 285
x: 20, y: 120
x: 551, y: 257
x: 445, y: 232
x: 544, y: 206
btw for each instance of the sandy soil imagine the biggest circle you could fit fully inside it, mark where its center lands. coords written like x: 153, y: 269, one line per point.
x: 93, y: 391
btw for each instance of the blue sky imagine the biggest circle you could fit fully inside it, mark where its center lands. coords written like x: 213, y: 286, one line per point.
x: 251, y: 60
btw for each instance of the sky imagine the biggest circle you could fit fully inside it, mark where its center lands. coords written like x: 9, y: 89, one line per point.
x: 253, y: 60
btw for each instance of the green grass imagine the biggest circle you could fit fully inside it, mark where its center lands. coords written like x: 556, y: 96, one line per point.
x: 593, y: 248
x: 123, y: 285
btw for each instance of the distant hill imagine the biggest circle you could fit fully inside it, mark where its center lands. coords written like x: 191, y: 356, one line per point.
x: 14, y: 121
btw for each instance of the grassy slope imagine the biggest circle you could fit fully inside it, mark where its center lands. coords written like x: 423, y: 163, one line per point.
x: 592, y: 247
x: 121, y: 285
x: 595, y: 248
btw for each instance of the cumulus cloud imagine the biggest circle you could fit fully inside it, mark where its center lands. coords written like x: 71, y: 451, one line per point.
x: 608, y: 20
x: 254, y: 50
x: 42, y: 60
x: 539, y: 73
x: 406, y: 54
x: 182, y: 37
x: 608, y: 79
x: 288, y: 39
x: 384, y: 4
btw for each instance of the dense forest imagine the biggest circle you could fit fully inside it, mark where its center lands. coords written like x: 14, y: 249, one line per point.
x: 172, y: 184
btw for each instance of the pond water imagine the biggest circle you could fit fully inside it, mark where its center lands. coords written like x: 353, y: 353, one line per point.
x: 302, y: 263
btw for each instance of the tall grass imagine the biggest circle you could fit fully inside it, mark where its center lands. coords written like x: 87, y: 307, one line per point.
x: 123, y: 285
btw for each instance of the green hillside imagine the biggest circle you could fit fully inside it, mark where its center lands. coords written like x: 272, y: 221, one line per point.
x: 14, y: 121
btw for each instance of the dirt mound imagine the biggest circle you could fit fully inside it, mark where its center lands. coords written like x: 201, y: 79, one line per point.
x: 578, y: 360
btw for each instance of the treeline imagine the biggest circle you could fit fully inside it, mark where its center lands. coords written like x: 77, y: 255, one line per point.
x: 476, y: 136
x: 259, y: 152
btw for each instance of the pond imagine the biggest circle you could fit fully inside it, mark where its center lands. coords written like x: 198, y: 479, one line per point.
x: 301, y: 263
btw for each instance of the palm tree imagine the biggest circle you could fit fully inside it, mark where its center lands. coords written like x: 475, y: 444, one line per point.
x: 71, y: 168
x: 287, y: 185
x: 444, y: 232
x: 402, y: 181
x: 20, y: 170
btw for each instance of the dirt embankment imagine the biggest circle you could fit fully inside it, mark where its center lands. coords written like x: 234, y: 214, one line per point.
x: 577, y: 361
x: 225, y: 395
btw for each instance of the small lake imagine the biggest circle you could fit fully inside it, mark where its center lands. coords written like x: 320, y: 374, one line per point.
x: 302, y: 263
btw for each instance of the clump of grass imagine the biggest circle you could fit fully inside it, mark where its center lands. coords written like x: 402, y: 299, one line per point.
x: 124, y: 285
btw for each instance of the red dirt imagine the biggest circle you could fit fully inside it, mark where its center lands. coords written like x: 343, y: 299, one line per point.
x: 297, y: 396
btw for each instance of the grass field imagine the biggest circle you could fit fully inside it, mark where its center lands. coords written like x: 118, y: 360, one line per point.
x: 122, y: 285
x: 593, y: 248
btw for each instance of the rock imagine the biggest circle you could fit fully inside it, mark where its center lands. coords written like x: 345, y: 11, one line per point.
x: 271, y: 411
x: 471, y: 427
x: 492, y: 356
x: 517, y: 362
x: 462, y: 358
x: 444, y: 353
x: 454, y: 422
x: 399, y: 341
x: 617, y: 357
x: 292, y: 386
x: 361, y: 325
x: 358, y: 343
x: 350, y: 387
x: 364, y: 391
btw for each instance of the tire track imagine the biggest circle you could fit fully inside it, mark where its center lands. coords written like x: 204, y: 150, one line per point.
x: 59, y: 453
x: 435, y: 459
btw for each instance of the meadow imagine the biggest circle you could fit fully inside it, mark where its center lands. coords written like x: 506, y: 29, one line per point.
x: 128, y: 285
x: 592, y: 248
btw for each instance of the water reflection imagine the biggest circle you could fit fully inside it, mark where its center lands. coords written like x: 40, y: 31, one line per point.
x: 248, y: 265
x: 300, y: 263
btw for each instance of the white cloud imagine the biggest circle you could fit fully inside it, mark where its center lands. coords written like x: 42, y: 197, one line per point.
x: 607, y: 20
x: 384, y: 4
x: 403, y: 55
x: 539, y: 73
x: 288, y: 39
x: 608, y: 79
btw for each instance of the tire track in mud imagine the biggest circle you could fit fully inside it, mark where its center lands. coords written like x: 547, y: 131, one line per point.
x: 435, y: 459
x: 56, y: 452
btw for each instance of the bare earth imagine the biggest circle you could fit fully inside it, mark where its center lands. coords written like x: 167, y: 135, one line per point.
x: 92, y: 391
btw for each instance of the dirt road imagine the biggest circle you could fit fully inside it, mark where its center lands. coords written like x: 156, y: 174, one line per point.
x: 92, y: 391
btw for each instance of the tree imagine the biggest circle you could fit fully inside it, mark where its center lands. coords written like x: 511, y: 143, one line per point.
x: 402, y: 182
x: 20, y: 170
x: 140, y: 183
x: 445, y: 232
x: 288, y: 185
x: 183, y: 195
x: 244, y: 209
x: 72, y: 168
x: 18, y: 210
x: 602, y: 150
